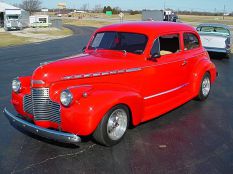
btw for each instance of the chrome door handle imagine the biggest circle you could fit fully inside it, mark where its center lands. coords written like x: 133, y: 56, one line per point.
x: 184, y: 63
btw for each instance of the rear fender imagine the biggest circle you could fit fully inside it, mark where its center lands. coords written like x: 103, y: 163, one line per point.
x: 205, y: 65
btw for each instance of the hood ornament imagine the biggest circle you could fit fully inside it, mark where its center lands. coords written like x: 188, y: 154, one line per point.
x: 45, y: 63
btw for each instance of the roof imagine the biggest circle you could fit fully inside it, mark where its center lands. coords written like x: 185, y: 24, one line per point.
x: 145, y: 27
x: 214, y: 25
x: 4, y: 6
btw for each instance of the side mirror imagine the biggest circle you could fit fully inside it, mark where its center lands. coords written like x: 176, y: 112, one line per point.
x: 155, y: 55
x: 84, y: 48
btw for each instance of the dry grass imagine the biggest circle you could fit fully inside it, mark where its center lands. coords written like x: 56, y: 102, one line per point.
x: 99, y: 20
x: 91, y: 23
x: 195, y: 20
x: 10, y: 40
x: 53, y: 32
x: 31, y: 35
x: 136, y: 17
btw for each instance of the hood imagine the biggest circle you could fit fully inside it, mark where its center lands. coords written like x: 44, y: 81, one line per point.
x: 84, y: 66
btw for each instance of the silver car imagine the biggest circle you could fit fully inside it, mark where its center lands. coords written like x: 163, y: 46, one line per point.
x: 216, y: 38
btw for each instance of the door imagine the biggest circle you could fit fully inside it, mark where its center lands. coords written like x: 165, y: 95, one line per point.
x: 167, y: 79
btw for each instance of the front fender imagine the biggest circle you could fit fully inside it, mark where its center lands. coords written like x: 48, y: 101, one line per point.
x: 85, y: 113
x: 17, y: 98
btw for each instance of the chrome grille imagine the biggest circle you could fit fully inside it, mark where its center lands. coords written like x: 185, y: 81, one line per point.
x: 27, y: 104
x: 14, y: 24
x: 41, y: 106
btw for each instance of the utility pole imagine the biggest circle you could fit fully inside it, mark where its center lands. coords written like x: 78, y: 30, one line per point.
x: 164, y: 5
x: 224, y: 11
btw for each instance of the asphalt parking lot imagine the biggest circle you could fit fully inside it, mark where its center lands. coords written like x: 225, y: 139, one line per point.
x: 194, y: 138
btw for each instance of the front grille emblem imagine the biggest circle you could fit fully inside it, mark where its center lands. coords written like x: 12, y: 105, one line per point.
x: 37, y: 82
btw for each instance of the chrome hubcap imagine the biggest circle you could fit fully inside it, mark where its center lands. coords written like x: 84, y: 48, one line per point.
x: 206, y: 86
x: 117, y: 124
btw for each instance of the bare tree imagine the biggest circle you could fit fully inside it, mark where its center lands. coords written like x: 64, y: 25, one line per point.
x: 84, y: 7
x: 31, y: 5
x: 98, y: 8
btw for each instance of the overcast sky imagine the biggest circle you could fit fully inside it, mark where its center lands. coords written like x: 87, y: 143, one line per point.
x: 197, y: 5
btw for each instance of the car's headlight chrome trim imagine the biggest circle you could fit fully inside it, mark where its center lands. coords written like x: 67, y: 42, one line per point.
x: 16, y: 85
x: 66, y: 97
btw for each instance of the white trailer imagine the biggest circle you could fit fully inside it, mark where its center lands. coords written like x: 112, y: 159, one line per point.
x: 39, y: 21
x: 12, y: 19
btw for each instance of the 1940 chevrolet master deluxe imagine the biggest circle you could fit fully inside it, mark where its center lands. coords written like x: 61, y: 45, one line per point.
x: 129, y: 73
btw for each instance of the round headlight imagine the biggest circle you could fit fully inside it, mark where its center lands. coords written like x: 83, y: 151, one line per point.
x: 16, y: 85
x: 66, y: 97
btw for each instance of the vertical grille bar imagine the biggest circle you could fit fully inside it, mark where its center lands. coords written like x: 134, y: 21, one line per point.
x: 27, y: 104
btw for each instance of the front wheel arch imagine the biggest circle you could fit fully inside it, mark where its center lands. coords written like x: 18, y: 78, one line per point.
x: 101, y: 135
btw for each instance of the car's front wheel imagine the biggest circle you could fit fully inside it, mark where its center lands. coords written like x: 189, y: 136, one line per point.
x: 205, y: 87
x: 113, y: 126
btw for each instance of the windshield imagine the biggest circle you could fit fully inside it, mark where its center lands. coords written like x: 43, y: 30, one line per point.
x: 13, y: 17
x: 214, y: 29
x: 130, y: 42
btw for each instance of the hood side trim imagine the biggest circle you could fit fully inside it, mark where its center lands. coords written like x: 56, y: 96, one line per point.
x: 98, y: 74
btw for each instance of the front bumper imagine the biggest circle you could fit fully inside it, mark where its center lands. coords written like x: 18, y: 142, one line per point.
x: 42, y: 132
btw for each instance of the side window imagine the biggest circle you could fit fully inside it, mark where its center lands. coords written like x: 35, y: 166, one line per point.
x: 169, y: 44
x: 190, y: 41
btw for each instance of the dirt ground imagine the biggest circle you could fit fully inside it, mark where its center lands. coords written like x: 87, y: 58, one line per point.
x: 39, y: 34
x: 2, y: 30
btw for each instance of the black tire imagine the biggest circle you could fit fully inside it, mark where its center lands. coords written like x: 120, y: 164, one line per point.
x: 202, y: 94
x: 228, y: 55
x: 101, y: 134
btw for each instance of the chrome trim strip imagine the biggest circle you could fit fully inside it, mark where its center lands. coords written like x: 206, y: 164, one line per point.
x: 98, y: 74
x: 46, y: 133
x: 78, y: 86
x: 133, y: 69
x: 165, y: 92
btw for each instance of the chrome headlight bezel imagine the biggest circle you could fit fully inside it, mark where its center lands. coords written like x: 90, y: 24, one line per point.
x: 16, y: 85
x: 66, y: 97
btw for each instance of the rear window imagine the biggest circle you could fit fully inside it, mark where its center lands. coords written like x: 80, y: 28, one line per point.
x: 130, y: 42
x: 213, y: 29
x: 190, y: 41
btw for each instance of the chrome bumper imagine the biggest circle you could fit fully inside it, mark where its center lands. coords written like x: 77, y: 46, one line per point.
x: 218, y: 50
x: 46, y: 133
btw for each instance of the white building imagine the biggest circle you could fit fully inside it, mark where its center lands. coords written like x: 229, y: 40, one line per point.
x: 24, y: 17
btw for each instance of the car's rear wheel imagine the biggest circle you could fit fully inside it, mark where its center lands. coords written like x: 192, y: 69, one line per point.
x: 113, y: 126
x: 205, y: 87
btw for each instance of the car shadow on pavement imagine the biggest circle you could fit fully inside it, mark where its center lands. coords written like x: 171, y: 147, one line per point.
x: 65, y: 145
x: 219, y: 56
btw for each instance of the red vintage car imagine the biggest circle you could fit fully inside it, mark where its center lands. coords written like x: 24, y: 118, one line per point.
x: 129, y: 73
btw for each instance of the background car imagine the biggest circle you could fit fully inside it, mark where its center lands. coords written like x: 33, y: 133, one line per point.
x: 216, y: 38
